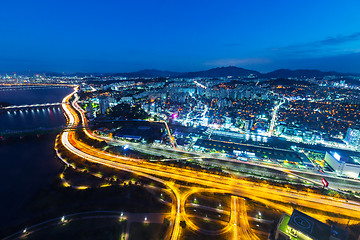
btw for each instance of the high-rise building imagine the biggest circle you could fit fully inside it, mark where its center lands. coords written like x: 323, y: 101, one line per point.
x: 205, y: 121
x: 89, y: 110
x: 248, y: 125
x: 153, y: 108
x: 227, y: 122
x: 104, y: 104
x: 352, y: 137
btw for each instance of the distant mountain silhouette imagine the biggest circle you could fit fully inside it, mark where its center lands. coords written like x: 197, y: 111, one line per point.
x: 217, y: 72
x: 232, y: 71
x: 221, y: 72
x: 301, y: 73
x: 149, y: 73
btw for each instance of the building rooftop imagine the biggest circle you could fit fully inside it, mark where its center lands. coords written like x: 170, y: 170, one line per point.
x: 309, y: 226
x: 284, y: 223
x: 342, y: 157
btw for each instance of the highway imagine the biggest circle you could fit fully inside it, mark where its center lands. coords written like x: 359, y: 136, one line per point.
x: 276, y: 197
x: 247, y: 232
x: 274, y: 116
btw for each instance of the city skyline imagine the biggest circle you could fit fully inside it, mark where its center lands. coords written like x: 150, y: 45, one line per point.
x: 180, y: 120
x: 182, y: 37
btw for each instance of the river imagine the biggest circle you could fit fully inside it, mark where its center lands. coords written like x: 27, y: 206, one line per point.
x: 27, y: 164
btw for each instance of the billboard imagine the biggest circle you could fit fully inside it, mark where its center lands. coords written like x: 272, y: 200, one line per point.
x: 325, y: 183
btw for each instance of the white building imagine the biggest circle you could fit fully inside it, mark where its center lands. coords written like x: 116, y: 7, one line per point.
x: 352, y: 137
x: 89, y: 110
x: 127, y: 100
x: 104, y: 105
x: 152, y: 108
x: 205, y: 121
x: 248, y: 125
x: 227, y: 122
x: 343, y: 165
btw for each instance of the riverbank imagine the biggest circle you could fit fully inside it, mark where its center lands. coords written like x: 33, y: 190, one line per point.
x: 28, y: 163
x: 27, y: 166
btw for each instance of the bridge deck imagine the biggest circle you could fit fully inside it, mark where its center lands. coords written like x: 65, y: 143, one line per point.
x: 32, y: 106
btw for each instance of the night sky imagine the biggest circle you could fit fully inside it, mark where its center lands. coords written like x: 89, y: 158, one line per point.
x: 130, y: 35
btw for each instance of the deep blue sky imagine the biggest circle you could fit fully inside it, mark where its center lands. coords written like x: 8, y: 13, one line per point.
x: 130, y: 35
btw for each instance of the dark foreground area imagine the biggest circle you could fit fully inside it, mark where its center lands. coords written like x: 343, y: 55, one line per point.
x: 56, y: 201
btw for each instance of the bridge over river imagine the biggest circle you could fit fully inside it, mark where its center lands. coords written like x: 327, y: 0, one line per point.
x: 20, y: 107
x: 35, y: 131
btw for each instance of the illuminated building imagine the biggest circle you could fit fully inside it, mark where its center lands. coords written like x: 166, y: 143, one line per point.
x: 300, y: 226
x: 277, y: 155
x: 104, y: 105
x: 152, y: 108
x: 89, y: 110
x: 248, y: 125
x: 205, y: 121
x: 343, y: 165
x: 353, y: 137
x: 227, y: 122
x: 127, y: 100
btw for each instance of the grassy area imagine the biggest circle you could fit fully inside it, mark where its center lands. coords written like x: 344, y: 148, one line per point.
x: 254, y: 208
x: 207, y: 213
x: 205, y: 223
x: 187, y: 234
x: 90, y: 229
x: 354, y: 231
x: 80, y: 178
x: 147, y: 231
x: 162, y: 195
x: 59, y: 201
x: 210, y: 199
x: 131, y: 198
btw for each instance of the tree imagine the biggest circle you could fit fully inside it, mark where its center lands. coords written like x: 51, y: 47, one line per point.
x: 183, y: 224
x: 127, y: 111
